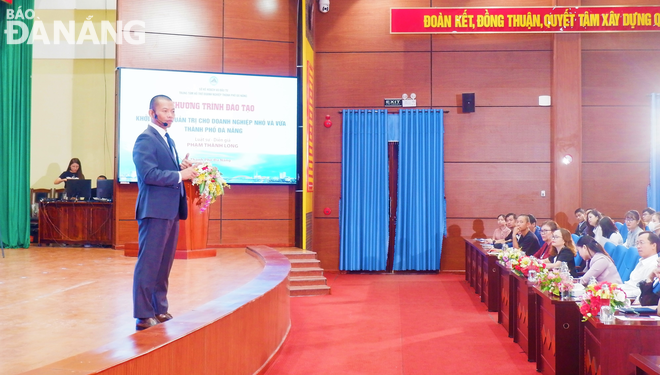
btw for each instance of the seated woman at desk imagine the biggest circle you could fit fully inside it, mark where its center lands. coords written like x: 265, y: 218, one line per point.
x: 502, y: 230
x: 74, y: 170
x: 599, y: 263
x: 563, y: 250
x: 548, y: 228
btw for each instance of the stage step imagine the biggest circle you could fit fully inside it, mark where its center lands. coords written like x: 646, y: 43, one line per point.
x: 307, y: 280
x: 306, y: 276
x: 299, y: 254
x: 313, y: 271
x: 309, y: 290
x: 304, y: 263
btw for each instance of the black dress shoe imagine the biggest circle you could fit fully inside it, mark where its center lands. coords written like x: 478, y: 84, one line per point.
x: 162, y: 318
x: 141, y: 324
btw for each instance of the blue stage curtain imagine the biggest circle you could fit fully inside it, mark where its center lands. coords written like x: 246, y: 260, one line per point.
x: 363, y: 208
x: 653, y: 191
x: 421, y: 216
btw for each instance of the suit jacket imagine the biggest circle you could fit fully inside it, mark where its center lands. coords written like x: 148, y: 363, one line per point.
x: 647, y: 297
x: 159, y: 194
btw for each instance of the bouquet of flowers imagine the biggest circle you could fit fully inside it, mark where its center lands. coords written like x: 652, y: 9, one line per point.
x: 602, y: 294
x: 555, y: 282
x: 510, y: 256
x: 526, y: 264
x: 211, y: 184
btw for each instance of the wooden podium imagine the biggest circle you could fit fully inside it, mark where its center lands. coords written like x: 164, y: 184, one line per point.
x: 193, y: 232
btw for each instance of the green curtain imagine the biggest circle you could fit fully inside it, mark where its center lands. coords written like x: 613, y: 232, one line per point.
x: 15, y: 112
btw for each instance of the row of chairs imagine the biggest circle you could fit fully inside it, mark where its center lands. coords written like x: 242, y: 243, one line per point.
x: 578, y: 257
x: 624, y: 258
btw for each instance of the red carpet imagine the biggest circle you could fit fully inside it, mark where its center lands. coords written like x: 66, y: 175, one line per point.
x: 397, y: 324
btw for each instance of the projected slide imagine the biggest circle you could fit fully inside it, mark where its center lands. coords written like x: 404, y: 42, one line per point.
x: 245, y: 125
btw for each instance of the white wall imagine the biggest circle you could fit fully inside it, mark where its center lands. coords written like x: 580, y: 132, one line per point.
x: 73, y: 90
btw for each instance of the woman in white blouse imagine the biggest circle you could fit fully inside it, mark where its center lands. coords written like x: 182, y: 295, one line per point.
x: 609, y: 233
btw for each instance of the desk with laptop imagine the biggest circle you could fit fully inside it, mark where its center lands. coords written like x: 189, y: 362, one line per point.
x: 81, y: 190
x: 79, y: 217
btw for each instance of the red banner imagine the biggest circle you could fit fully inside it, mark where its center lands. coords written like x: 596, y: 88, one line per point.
x: 524, y: 20
x: 7, y: 1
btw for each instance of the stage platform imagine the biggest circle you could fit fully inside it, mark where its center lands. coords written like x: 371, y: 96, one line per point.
x: 69, y: 310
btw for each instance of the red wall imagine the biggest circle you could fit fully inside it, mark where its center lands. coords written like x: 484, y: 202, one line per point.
x: 499, y: 158
x: 230, y: 36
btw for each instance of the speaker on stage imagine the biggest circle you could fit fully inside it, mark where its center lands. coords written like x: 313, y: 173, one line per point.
x: 468, y: 102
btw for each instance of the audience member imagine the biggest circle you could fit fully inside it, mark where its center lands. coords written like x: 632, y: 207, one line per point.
x: 73, y: 171
x: 650, y: 288
x: 534, y: 228
x: 610, y: 233
x: 582, y: 227
x: 635, y: 227
x: 502, y: 231
x: 563, y: 250
x: 527, y: 242
x: 510, y: 219
x: 599, y: 264
x: 647, y: 247
x: 646, y: 215
x: 654, y: 224
x: 546, y: 233
x: 593, y: 218
x: 95, y: 190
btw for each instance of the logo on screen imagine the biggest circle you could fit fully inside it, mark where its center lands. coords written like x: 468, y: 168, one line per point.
x: 213, y: 80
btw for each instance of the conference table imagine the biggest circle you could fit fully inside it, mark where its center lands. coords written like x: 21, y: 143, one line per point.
x: 75, y: 223
x: 550, y: 330
x: 607, y: 347
x: 481, y: 271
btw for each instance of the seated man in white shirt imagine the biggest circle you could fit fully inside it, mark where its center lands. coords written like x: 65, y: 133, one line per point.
x: 648, y: 244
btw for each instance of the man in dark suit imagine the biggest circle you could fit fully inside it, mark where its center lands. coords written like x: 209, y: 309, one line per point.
x: 161, y: 203
x: 582, y: 227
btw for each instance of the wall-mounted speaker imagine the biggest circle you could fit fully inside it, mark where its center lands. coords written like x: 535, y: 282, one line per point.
x: 468, y: 102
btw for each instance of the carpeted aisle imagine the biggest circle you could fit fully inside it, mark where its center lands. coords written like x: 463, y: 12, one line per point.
x: 397, y: 324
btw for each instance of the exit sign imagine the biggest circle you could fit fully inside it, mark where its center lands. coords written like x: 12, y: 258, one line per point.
x: 394, y: 102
